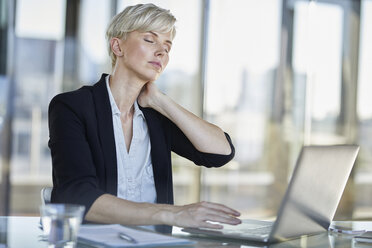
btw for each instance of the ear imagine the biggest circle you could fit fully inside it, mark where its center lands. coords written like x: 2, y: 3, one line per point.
x: 116, y: 46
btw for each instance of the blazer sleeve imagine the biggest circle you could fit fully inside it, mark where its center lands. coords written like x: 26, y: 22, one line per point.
x: 181, y: 145
x: 74, y: 175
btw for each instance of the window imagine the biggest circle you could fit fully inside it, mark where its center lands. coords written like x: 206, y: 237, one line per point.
x: 242, y: 59
x: 363, y: 177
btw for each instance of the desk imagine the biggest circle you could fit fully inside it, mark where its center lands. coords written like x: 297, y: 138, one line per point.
x: 22, y: 232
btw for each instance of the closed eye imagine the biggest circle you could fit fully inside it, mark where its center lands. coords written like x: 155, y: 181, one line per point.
x: 150, y: 41
x: 167, y: 48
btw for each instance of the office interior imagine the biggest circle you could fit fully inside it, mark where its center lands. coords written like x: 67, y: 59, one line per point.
x: 274, y: 74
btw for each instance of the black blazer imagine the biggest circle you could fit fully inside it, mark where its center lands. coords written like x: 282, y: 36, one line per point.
x: 83, y: 147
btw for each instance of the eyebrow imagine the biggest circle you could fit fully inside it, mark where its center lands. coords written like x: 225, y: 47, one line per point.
x: 155, y: 34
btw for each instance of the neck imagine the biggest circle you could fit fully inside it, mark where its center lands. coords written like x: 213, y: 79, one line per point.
x: 125, y: 90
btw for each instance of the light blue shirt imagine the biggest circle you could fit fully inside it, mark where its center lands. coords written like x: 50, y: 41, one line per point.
x: 135, y: 174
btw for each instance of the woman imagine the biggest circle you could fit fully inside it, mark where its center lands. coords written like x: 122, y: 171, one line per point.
x: 111, y: 142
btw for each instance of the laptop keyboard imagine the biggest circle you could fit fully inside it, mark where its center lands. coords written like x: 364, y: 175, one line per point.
x: 248, y: 229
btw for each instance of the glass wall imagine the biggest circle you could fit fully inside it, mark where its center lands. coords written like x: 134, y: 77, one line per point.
x: 363, y: 178
x: 325, y: 52
x: 243, y: 54
x: 317, y: 58
x: 274, y: 74
x: 36, y: 75
x: 3, y: 101
x: 281, y: 74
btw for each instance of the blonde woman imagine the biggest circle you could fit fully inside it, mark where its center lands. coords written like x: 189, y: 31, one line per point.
x: 111, y: 142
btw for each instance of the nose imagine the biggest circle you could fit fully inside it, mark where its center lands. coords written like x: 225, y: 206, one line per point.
x: 160, y: 51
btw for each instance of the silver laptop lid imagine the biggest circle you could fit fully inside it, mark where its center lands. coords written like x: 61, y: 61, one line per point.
x: 315, y: 189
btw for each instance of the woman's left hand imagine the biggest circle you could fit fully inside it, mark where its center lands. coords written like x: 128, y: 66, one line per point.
x: 147, y: 96
x: 205, y: 136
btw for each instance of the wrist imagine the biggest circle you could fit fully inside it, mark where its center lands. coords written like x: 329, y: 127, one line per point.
x: 165, y: 214
x: 157, y: 101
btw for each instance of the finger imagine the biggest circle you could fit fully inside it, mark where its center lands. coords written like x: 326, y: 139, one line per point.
x: 210, y: 225
x: 221, y: 207
x: 209, y: 213
x: 223, y: 219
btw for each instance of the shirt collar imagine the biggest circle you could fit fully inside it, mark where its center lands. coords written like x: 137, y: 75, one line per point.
x: 114, y: 107
x: 137, y: 111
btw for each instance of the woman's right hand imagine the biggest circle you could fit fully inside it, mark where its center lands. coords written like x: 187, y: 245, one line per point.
x: 110, y: 209
x: 201, y: 214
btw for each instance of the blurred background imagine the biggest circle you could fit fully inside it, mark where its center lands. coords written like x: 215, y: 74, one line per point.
x: 274, y: 74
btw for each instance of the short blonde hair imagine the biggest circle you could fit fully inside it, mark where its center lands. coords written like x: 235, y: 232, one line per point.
x: 142, y: 18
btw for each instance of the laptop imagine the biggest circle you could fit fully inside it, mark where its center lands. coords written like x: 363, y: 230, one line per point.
x: 310, y: 202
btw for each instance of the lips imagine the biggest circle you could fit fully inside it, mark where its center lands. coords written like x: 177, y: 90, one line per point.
x: 156, y: 64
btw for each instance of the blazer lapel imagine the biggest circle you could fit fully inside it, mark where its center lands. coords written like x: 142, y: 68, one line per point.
x: 160, y: 156
x: 106, y: 133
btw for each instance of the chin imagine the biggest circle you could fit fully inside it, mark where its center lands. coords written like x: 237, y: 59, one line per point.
x: 152, y: 78
x: 149, y: 75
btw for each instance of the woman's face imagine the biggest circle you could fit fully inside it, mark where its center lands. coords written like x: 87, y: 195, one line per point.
x: 145, y: 55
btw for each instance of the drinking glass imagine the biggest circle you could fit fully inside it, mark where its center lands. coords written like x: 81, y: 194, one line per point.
x: 61, y: 224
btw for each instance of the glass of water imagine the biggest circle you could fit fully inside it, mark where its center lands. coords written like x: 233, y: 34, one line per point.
x: 61, y: 224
